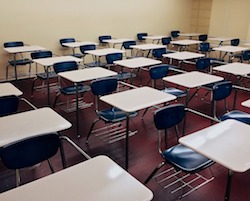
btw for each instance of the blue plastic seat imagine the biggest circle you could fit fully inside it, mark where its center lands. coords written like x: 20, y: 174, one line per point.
x: 235, y: 42
x: 105, y: 86
x: 122, y: 75
x: 174, y: 34
x: 42, y: 76
x: 203, y: 37
x: 166, y: 41
x: 178, y: 156
x: 69, y: 40
x: 19, y: 61
x: 126, y: 45
x: 140, y: 37
x: 102, y: 38
x: 68, y: 90
x: 8, y: 105
x: 157, y: 53
x: 221, y: 91
x: 83, y: 50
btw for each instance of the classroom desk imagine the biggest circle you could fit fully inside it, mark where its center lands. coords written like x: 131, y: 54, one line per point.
x: 8, y: 89
x: 154, y: 38
x: 30, y: 123
x: 236, y: 68
x: 103, y: 52
x: 96, y: 179
x: 194, y: 79
x: 221, y: 40
x: 229, y: 49
x: 22, y: 49
x: 147, y: 47
x: 182, y: 56
x: 77, y: 44
x: 139, y: 98
x: 83, y: 75
x: 48, y: 62
x: 226, y: 143
x: 115, y: 41
x: 183, y: 44
x: 189, y: 35
x: 137, y: 63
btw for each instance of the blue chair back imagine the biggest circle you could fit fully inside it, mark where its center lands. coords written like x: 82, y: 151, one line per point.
x: 169, y: 116
x: 8, y: 105
x: 110, y: 58
x: 203, y: 37
x: 222, y: 90
x: 13, y: 44
x: 141, y: 35
x: 66, y: 40
x: 30, y: 151
x: 127, y: 44
x: 104, y: 86
x: 175, y: 33
x: 203, y: 63
x: 235, y: 42
x: 41, y: 54
x: 166, y: 40
x: 65, y: 66
x: 157, y: 53
x: 204, y: 47
x: 84, y: 48
x: 158, y: 71
x: 246, y: 55
x: 105, y: 37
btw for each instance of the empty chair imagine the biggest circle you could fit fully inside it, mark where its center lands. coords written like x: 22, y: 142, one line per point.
x: 235, y: 42
x: 8, y: 105
x: 203, y: 37
x: 126, y: 45
x: 203, y: 64
x: 17, y: 59
x: 68, y: 89
x: 102, y: 38
x: 204, y: 48
x: 122, y: 75
x: 140, y: 37
x: 178, y: 156
x: 105, y: 86
x: 83, y: 50
x: 166, y: 41
x: 69, y: 40
x: 42, y: 76
x: 221, y: 91
x: 33, y: 150
x: 245, y: 56
x: 175, y: 34
x: 157, y: 53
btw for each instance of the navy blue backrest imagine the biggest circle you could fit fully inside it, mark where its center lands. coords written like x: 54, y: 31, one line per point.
x: 65, y: 66
x: 8, y: 105
x: 222, y: 90
x: 169, y: 116
x: 127, y: 44
x: 104, y: 86
x: 29, y: 151
x: 66, y: 40
x: 235, y: 42
x: 110, y: 58
x: 202, y: 63
x: 84, y: 48
x: 175, y: 33
x: 203, y: 37
x: 13, y: 44
x: 204, y: 47
x: 158, y: 71
x: 140, y: 36
x: 105, y: 37
x: 166, y: 40
x: 159, y: 52
x: 246, y: 55
x: 41, y: 54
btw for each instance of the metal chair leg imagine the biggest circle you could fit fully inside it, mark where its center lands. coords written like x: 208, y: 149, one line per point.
x: 90, y: 130
x: 154, y: 172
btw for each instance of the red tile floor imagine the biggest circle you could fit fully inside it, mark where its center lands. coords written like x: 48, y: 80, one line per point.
x: 143, y: 148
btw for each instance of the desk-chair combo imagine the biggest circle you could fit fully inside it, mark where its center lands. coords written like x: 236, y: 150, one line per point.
x: 102, y: 38
x: 140, y: 37
x: 83, y: 50
x: 69, y: 40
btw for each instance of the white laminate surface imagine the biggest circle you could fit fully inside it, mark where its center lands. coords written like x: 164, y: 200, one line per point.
x: 229, y: 48
x: 105, y: 51
x: 137, y: 62
x: 220, y: 39
x: 52, y: 60
x: 154, y: 37
x: 26, y: 48
x: 189, y: 34
x: 226, y: 143
x: 193, y: 79
x: 185, y: 42
x: 116, y: 41
x: 185, y: 55
x: 97, y: 179
x: 246, y: 103
x: 137, y: 99
x: 30, y: 123
x: 78, y: 44
x: 8, y: 89
x: 147, y: 46
x: 235, y: 68
x: 87, y: 74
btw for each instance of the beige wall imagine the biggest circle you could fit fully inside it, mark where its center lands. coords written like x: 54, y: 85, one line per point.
x: 45, y: 22
x: 230, y: 18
